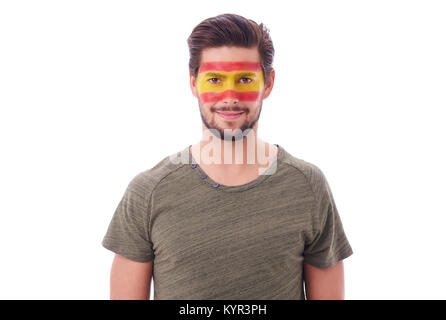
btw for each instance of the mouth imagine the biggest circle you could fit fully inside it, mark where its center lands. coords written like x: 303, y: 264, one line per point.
x: 230, y: 115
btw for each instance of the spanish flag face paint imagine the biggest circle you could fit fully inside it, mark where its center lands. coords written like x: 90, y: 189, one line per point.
x: 230, y: 79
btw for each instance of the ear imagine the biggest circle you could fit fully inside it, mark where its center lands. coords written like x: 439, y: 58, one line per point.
x: 192, y: 84
x: 269, y: 84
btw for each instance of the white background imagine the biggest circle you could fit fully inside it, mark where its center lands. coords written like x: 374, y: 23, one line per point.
x: 94, y: 92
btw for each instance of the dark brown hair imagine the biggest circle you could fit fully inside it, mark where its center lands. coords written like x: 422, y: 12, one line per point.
x: 230, y: 30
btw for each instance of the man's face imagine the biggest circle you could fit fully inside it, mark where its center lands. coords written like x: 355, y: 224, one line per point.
x: 230, y: 89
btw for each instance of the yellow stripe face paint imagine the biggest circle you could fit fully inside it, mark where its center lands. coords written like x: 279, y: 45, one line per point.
x: 218, y: 80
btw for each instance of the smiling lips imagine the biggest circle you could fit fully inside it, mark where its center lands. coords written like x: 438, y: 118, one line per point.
x: 230, y: 115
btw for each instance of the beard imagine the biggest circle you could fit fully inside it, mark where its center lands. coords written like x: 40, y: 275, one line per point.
x: 219, y: 132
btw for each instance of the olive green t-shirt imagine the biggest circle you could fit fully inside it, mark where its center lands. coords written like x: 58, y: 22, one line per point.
x: 210, y: 241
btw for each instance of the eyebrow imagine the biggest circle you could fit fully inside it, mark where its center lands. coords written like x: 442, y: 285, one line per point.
x: 215, y: 74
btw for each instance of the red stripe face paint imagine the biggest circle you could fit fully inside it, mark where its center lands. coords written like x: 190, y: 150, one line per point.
x: 219, y: 80
x: 230, y: 66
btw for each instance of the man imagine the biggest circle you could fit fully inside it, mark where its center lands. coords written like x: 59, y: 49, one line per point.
x: 237, y: 217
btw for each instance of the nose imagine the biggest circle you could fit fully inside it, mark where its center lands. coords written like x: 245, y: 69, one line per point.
x: 230, y: 97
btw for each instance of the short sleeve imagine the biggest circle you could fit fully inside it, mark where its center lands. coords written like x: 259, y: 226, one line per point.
x: 328, y: 243
x: 128, y: 232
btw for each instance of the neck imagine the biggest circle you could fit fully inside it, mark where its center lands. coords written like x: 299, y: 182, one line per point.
x: 249, y: 151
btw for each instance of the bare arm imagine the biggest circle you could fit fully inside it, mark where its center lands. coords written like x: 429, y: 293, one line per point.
x: 324, y: 283
x: 130, y: 280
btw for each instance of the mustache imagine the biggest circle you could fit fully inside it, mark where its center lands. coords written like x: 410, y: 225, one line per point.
x: 229, y: 109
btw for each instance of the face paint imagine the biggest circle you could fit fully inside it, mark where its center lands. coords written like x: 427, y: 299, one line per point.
x: 227, y: 79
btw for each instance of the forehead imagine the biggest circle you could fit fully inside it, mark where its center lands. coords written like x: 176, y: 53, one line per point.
x: 223, y: 68
x: 230, y: 54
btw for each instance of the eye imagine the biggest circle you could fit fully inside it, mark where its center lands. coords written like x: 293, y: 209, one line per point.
x: 211, y: 80
x: 250, y: 80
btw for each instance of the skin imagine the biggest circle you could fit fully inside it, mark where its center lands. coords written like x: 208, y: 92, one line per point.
x: 130, y: 279
x: 324, y: 283
x: 232, y: 174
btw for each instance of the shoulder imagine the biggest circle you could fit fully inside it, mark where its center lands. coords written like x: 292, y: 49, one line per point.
x: 146, y: 181
x: 312, y: 173
x: 318, y: 184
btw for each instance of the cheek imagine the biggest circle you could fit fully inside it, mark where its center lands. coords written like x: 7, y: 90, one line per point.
x: 206, y: 106
x: 202, y: 86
